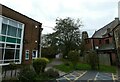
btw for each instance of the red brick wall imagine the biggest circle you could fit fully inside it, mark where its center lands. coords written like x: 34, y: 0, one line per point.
x: 30, y: 32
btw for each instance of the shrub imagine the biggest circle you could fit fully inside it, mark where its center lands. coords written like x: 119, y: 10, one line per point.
x: 93, y: 59
x: 40, y: 64
x: 52, y: 73
x: 26, y: 74
x: 73, y: 57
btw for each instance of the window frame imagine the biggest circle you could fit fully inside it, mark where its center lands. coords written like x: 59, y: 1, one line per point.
x: 28, y: 54
x: 35, y: 54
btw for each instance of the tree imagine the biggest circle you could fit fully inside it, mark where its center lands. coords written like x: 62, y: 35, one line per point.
x: 67, y: 35
x: 49, y: 46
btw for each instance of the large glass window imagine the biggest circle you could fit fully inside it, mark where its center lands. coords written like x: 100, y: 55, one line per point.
x: 10, y: 41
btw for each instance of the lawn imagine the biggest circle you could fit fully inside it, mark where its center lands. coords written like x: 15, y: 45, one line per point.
x: 80, y: 66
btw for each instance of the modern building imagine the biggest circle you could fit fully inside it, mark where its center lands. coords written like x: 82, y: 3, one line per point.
x: 19, y: 37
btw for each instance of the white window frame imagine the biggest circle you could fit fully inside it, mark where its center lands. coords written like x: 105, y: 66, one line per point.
x: 28, y: 54
x: 21, y: 38
x: 0, y: 23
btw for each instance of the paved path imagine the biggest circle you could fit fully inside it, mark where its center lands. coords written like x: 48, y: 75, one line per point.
x: 87, y: 76
x: 53, y: 63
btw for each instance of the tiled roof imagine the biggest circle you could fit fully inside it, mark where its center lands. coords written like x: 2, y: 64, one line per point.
x: 103, y: 30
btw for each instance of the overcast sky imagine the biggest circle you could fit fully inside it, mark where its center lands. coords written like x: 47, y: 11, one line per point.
x: 94, y: 14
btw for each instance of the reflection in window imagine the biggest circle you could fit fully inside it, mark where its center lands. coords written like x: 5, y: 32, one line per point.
x: 19, y: 33
x: 12, y: 40
x: 2, y: 38
x: 4, y: 29
x: 1, y: 45
x: 27, y: 54
x: 17, y: 54
x: 12, y: 31
x: 34, y: 54
x: 1, y: 54
x: 9, y: 53
x: 18, y: 41
x: 18, y: 46
x: 10, y: 45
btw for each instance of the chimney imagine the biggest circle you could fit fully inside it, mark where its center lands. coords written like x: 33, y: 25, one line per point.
x: 117, y: 20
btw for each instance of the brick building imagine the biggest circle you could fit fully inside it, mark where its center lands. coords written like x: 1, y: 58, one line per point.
x: 19, y: 37
x: 103, y: 42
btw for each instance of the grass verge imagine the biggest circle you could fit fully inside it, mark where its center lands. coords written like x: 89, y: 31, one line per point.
x: 69, y: 68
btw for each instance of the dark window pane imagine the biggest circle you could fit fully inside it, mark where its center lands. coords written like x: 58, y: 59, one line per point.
x: 18, y: 41
x: 17, y: 60
x: 1, y: 54
x: 13, y: 40
x: 17, y: 54
x: 18, y: 46
x: 27, y: 54
x: 34, y: 53
x: 9, y: 54
x: 4, y: 29
x: 12, y: 31
x: 2, y: 38
x: 2, y: 45
x: 10, y: 45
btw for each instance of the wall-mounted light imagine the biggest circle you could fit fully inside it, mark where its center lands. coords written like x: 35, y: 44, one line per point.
x: 35, y: 41
x: 36, y: 26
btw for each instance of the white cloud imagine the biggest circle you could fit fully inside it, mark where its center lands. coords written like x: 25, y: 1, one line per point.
x: 94, y: 13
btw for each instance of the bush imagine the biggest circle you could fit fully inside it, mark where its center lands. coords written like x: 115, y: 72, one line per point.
x: 73, y: 57
x: 52, y: 73
x: 26, y: 74
x: 93, y: 59
x: 40, y: 64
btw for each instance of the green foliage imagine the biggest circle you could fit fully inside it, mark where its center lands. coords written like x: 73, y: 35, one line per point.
x: 52, y: 73
x: 73, y: 57
x: 48, y: 52
x: 66, y: 37
x: 93, y: 59
x: 40, y: 64
x: 105, y: 68
x: 65, y: 68
x: 81, y: 66
x: 26, y: 74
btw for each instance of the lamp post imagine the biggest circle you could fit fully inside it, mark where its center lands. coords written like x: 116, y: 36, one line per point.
x: 96, y: 48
